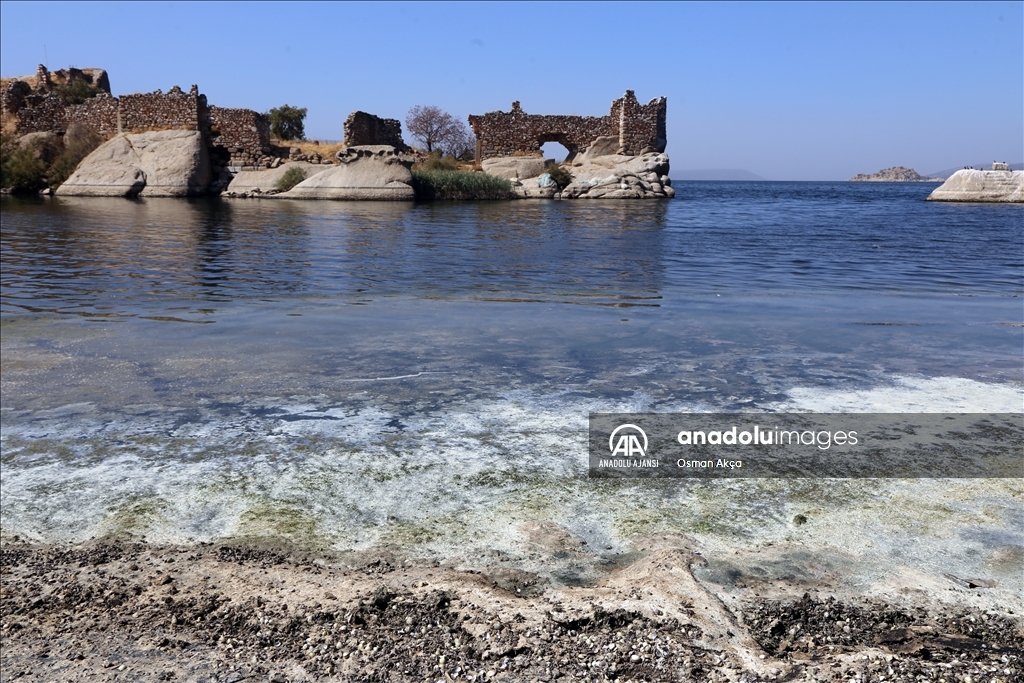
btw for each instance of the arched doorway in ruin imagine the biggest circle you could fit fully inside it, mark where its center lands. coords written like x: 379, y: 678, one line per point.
x: 557, y: 146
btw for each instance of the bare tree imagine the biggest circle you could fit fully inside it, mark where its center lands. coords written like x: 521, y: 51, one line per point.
x: 460, y: 143
x: 439, y: 130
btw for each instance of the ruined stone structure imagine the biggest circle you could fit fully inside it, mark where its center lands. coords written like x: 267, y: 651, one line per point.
x: 243, y: 133
x: 366, y: 129
x: 240, y: 137
x: 639, y: 128
x: 176, y: 110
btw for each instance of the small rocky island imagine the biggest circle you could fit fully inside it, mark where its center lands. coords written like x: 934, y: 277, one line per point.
x: 896, y: 174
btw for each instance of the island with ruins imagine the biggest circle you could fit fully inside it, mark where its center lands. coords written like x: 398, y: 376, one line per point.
x: 176, y: 144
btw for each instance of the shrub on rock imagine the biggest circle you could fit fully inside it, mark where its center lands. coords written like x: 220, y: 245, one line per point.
x: 560, y: 174
x: 292, y: 177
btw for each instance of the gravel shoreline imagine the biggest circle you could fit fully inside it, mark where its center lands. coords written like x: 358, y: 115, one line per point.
x: 128, y: 611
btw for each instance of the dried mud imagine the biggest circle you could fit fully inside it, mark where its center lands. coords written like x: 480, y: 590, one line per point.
x: 124, y: 611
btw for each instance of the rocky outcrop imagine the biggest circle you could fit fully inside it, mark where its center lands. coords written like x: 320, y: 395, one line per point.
x: 598, y: 173
x: 248, y: 183
x: 514, y: 168
x: 167, y: 163
x: 896, y: 174
x: 612, y: 176
x: 366, y: 172
x: 970, y: 185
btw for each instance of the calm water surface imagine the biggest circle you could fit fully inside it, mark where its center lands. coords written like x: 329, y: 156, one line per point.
x: 356, y: 375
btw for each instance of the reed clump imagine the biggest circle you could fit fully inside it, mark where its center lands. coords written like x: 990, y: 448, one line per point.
x: 452, y: 184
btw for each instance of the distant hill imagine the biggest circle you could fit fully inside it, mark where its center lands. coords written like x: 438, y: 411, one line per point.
x: 715, y: 174
x: 950, y: 171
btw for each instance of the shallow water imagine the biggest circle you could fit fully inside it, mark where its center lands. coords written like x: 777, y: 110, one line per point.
x: 359, y: 375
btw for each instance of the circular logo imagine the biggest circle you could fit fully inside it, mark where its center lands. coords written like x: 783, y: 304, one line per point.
x: 628, y: 443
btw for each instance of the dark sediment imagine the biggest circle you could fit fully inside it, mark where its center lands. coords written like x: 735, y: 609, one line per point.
x: 129, y: 611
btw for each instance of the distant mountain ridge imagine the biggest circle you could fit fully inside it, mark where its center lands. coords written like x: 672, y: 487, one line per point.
x: 944, y: 174
x: 715, y: 174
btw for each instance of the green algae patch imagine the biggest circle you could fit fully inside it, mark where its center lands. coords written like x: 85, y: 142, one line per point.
x: 269, y: 520
x: 135, y: 515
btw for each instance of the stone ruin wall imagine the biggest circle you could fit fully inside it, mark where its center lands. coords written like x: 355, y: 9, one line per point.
x: 176, y: 110
x: 366, y: 129
x: 640, y: 128
x: 245, y: 134
x: 99, y: 113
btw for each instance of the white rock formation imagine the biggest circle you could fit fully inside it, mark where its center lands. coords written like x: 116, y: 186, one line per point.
x: 165, y: 163
x: 598, y: 173
x: 969, y: 185
x: 514, y: 168
x: 264, y: 181
x: 367, y: 172
x: 619, y: 177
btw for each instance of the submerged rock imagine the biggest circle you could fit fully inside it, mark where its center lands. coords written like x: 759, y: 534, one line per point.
x: 970, y: 185
x: 366, y: 172
x: 165, y: 163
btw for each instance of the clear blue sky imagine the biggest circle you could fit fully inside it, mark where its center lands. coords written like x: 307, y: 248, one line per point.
x: 796, y: 91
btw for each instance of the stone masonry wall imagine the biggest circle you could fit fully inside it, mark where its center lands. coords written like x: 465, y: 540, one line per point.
x: 98, y: 113
x: 243, y: 133
x: 42, y: 113
x: 640, y: 129
x: 366, y: 129
x: 176, y: 110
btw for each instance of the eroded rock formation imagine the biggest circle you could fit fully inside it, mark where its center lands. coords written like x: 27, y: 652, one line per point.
x: 166, y: 163
x: 969, y: 185
x: 366, y: 172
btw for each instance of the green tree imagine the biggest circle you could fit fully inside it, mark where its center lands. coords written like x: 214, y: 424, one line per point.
x: 76, y: 92
x: 286, y: 122
x: 22, y: 171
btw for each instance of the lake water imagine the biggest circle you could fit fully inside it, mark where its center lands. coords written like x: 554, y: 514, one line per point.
x: 418, y: 376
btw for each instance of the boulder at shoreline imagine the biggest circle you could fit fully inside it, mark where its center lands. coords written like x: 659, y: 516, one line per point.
x: 615, y: 176
x: 164, y: 163
x: 366, y: 172
x: 259, y: 182
x: 514, y: 168
x: 598, y: 173
x: 969, y: 185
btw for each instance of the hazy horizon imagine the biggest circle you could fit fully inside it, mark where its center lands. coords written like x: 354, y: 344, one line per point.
x: 782, y: 91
